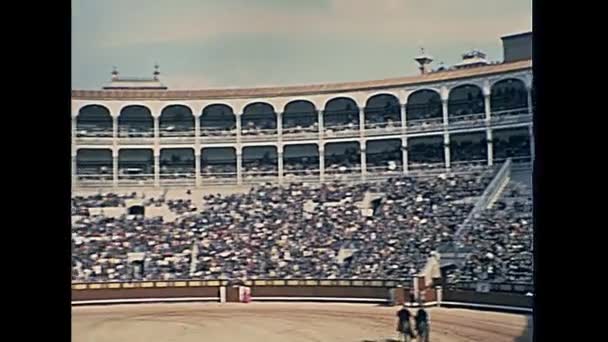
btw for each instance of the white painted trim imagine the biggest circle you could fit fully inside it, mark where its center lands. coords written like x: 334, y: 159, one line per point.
x: 415, y: 305
x: 488, y: 306
x: 222, y: 294
x: 142, y: 300
x: 321, y: 299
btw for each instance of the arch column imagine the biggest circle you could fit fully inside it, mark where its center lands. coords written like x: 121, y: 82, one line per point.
x: 238, y: 127
x: 361, y: 121
x: 197, y: 129
x: 280, y: 162
x: 529, y: 92
x: 156, y: 129
x: 446, y: 150
x: 197, y: 149
x: 490, y: 147
x: 363, y: 160
x: 115, y: 130
x: 197, y: 166
x: 321, y: 124
x: 74, y: 128
x: 486, y: 103
x: 115, y: 167
x: 74, y: 170
x: 404, y: 155
x: 156, y: 166
x: 445, y: 95
x: 486, y: 100
x: 321, y: 161
x: 73, y: 143
x: 279, y: 125
x: 403, y: 117
x: 444, y: 106
x: 239, y: 165
x: 531, y: 130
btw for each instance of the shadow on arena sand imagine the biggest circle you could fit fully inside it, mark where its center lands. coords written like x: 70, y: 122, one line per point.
x: 527, y: 334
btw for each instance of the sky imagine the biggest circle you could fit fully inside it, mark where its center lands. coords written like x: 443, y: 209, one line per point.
x: 246, y: 43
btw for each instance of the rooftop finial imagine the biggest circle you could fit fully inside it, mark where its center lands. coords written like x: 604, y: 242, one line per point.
x: 424, y: 61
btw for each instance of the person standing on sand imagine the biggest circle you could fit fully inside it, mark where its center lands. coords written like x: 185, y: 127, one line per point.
x: 403, y: 326
x: 422, y: 325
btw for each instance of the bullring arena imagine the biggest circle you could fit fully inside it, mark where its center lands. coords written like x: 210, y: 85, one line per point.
x: 278, y: 322
x: 305, y: 213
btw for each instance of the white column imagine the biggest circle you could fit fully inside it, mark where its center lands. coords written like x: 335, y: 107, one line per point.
x: 321, y: 161
x: 115, y: 130
x: 446, y: 150
x: 238, y: 127
x: 361, y: 121
x: 197, y: 129
x: 487, y: 106
x: 156, y: 130
x: 530, y: 107
x: 156, y: 166
x: 363, y: 160
x: 320, y: 123
x: 74, y: 169
x: 74, y: 153
x: 444, y: 103
x: 280, y: 162
x: 197, y: 150
x: 531, y: 130
x: 74, y: 128
x: 197, y: 166
x: 280, y: 125
x: 115, y: 167
x: 490, y: 147
x: 239, y: 165
x: 403, y: 118
x: 404, y: 155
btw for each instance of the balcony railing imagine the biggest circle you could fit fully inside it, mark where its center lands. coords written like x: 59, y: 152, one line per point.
x: 508, y: 117
x: 341, y: 131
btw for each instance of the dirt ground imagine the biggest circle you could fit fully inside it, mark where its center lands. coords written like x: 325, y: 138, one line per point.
x: 285, y: 322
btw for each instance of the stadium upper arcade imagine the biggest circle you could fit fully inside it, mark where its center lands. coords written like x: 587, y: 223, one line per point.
x: 453, y: 99
x: 475, y: 112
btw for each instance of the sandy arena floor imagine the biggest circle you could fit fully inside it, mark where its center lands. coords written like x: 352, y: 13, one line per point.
x: 285, y: 322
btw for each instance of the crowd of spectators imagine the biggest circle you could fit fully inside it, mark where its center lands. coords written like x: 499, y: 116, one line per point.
x: 501, y: 241
x: 295, y: 231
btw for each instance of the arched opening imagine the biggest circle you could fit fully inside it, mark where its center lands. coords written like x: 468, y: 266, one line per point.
x: 94, y: 121
x: 342, y: 158
x: 177, y: 163
x: 136, y: 210
x: 426, y: 153
x: 384, y: 156
x: 424, y: 108
x: 341, y: 114
x: 466, y: 103
x: 218, y: 162
x: 468, y: 149
x: 176, y: 121
x: 260, y: 161
x: 511, y: 143
x: 135, y: 164
x: 259, y: 118
x: 300, y: 116
x: 301, y: 160
x: 218, y: 120
x: 94, y: 163
x: 382, y: 110
x: 509, y: 97
x: 135, y: 121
